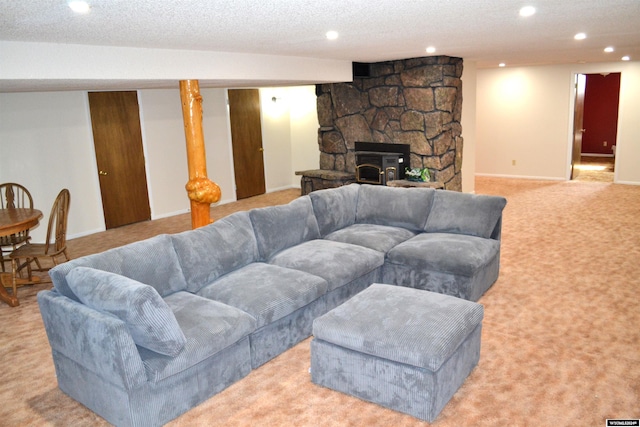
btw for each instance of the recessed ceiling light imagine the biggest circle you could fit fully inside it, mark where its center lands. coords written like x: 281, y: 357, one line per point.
x: 609, y: 49
x: 79, y: 6
x: 502, y: 64
x: 431, y: 49
x: 527, y: 11
x: 332, y: 35
x: 580, y: 36
x: 626, y: 58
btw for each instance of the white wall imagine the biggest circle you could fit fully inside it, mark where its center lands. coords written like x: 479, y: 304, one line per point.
x: 468, y: 123
x: 46, y: 144
x: 521, y: 114
x: 217, y: 139
x: 165, y: 148
x: 627, y: 168
x: 525, y: 115
x: 305, y: 153
x: 290, y: 134
x: 276, y: 138
x: 165, y: 152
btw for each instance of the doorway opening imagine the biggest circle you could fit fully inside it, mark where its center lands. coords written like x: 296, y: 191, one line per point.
x: 597, y: 98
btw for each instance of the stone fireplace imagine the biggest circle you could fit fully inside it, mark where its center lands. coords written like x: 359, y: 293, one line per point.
x: 414, y: 101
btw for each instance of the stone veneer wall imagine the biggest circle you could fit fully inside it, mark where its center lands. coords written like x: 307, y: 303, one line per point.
x: 413, y: 101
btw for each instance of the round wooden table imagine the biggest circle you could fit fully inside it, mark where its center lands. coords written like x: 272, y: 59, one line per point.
x: 14, y: 220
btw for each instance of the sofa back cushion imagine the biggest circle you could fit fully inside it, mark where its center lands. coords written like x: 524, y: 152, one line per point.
x: 149, y: 319
x: 399, y: 207
x: 152, y: 261
x: 211, y: 251
x: 335, y: 208
x: 464, y: 213
x: 280, y: 227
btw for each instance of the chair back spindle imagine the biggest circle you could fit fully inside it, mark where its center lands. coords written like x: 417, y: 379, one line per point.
x: 58, y: 222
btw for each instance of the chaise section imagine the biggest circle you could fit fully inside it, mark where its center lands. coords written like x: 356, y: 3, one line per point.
x: 459, y: 253
x: 453, y: 264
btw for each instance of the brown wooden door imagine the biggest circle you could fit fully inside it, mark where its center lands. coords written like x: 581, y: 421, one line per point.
x: 246, y: 139
x: 117, y: 138
x: 578, y: 130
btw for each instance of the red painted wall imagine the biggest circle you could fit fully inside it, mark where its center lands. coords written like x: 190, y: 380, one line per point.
x: 600, y: 113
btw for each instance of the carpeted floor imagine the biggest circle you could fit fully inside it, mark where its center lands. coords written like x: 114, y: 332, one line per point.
x: 560, y: 342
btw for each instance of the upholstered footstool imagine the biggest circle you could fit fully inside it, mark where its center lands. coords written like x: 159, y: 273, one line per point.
x: 405, y: 349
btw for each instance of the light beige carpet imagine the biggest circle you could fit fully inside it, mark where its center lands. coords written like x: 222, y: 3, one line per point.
x: 560, y: 342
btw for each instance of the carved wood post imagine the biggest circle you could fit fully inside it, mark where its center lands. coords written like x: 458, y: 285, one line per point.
x: 200, y: 190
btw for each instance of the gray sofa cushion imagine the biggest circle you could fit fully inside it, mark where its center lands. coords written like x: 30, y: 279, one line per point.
x: 418, y: 328
x: 152, y: 262
x: 463, y: 213
x: 214, y: 250
x: 447, y: 253
x: 335, y: 208
x: 336, y: 262
x: 280, y: 227
x: 378, y: 237
x: 398, y: 207
x: 209, y: 327
x: 265, y: 291
x: 149, y: 319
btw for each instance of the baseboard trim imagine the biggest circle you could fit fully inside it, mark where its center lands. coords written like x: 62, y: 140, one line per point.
x: 537, y: 178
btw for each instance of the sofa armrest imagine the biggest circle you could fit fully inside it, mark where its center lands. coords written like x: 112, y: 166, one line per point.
x: 496, y: 234
x: 98, y: 341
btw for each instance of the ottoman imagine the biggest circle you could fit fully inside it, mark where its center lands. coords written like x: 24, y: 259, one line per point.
x: 405, y: 349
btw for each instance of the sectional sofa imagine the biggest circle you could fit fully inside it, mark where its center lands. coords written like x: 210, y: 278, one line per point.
x: 144, y: 332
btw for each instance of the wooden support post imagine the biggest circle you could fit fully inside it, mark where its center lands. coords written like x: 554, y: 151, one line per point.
x: 200, y: 190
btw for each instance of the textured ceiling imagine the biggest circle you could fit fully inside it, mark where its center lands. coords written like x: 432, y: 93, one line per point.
x: 484, y: 31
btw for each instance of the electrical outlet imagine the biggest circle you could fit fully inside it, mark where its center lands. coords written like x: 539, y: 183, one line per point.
x: 513, y: 162
x: 604, y: 143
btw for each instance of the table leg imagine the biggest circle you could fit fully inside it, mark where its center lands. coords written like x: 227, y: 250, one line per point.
x: 12, y: 300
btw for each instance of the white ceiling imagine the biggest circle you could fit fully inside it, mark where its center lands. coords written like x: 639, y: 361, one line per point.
x: 484, y: 31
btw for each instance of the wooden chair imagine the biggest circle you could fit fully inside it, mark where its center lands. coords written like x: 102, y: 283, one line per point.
x: 32, y: 252
x: 13, y: 195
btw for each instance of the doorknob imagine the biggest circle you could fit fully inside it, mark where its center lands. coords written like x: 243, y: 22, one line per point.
x: 103, y: 173
x: 261, y: 149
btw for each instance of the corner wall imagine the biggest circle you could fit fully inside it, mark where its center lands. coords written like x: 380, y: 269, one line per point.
x: 525, y: 116
x: 414, y: 101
